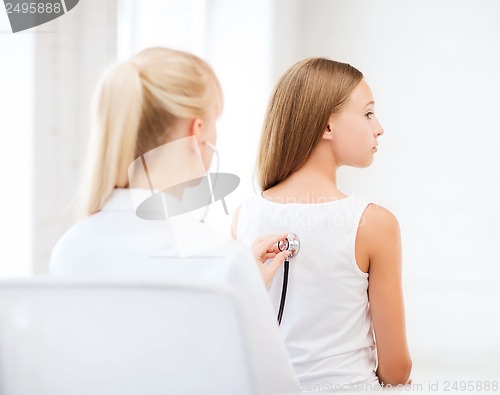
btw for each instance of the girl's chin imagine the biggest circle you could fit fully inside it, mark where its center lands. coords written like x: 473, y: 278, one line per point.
x: 362, y: 162
x: 366, y: 163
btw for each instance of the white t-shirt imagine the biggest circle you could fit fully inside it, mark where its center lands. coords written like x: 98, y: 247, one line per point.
x: 115, y: 243
x: 326, y: 321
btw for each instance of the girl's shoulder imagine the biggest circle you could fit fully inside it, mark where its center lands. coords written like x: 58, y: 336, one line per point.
x: 377, y: 224
x: 377, y: 215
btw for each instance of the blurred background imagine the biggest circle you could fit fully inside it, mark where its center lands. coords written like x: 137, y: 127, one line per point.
x: 433, y: 68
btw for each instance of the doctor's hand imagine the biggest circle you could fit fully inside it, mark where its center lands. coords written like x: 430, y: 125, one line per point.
x: 265, y: 248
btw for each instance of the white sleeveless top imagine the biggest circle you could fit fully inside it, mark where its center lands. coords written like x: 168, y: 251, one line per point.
x: 326, y: 322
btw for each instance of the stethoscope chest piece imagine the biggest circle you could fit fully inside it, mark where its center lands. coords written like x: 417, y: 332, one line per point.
x: 291, y: 243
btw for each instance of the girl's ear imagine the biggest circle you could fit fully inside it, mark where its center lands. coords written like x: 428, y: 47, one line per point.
x: 328, y: 132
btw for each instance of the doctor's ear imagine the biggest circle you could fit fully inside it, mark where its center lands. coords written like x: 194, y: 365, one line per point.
x: 197, y: 128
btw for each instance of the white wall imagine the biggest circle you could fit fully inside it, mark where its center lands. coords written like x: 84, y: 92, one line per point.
x: 16, y: 134
x: 433, y: 67
x: 178, y: 24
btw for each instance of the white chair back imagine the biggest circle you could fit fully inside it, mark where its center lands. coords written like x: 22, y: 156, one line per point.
x: 79, y: 338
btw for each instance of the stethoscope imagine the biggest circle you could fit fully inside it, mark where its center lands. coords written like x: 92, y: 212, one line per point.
x: 292, y: 244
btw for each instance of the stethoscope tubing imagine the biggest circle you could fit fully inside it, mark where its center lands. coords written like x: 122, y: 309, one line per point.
x: 292, y: 244
x: 283, y: 290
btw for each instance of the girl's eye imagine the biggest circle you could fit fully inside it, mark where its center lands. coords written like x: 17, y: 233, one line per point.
x: 369, y: 115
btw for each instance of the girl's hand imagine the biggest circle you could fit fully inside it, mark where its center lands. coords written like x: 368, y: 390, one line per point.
x: 265, y: 248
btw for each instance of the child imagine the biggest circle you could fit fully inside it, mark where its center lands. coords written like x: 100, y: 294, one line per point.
x: 344, y: 285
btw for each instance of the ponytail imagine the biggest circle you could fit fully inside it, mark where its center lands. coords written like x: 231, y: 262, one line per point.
x: 117, y: 114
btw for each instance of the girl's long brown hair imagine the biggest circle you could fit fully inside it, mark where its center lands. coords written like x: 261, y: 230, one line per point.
x: 298, y: 112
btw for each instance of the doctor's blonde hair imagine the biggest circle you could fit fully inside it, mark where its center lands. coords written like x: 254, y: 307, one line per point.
x: 135, y: 106
x: 300, y: 107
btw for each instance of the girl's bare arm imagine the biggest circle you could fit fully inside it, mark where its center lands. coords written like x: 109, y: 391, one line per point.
x: 380, y: 241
